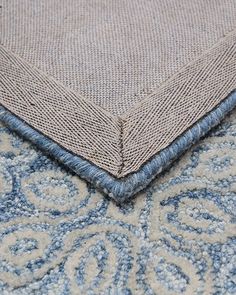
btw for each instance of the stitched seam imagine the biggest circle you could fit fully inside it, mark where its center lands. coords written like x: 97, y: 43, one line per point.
x: 143, y: 126
x: 121, y: 136
x: 122, y: 190
x: 121, y: 147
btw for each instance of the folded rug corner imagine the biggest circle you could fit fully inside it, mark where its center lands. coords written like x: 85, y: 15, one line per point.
x: 117, y: 94
x: 121, y: 189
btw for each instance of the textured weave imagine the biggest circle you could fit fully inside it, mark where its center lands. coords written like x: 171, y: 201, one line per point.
x: 114, y: 52
x: 75, y: 123
x: 59, y: 236
x: 179, y: 103
x: 159, y: 65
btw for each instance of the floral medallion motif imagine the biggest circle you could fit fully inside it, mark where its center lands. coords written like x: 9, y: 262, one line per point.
x: 59, y: 235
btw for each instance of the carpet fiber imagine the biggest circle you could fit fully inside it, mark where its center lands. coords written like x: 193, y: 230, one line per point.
x: 58, y: 235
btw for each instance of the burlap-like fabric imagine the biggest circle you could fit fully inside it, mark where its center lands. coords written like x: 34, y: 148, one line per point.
x: 116, y: 81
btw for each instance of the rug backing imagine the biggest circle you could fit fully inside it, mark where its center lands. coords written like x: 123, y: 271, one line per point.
x: 112, y: 81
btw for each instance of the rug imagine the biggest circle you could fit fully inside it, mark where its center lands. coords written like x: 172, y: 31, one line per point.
x: 59, y: 235
x: 116, y: 89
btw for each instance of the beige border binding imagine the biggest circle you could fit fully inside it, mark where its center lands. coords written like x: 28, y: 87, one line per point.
x: 120, y: 145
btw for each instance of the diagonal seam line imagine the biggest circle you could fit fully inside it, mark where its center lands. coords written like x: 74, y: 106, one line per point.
x: 167, y: 81
x: 34, y: 71
x: 120, y: 121
x: 51, y: 79
x: 108, y: 121
x: 226, y: 56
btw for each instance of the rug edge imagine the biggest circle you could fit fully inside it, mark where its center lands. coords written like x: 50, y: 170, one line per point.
x: 123, y: 188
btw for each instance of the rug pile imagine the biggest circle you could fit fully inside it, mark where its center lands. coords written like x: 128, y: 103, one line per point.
x: 59, y: 235
x: 114, y: 177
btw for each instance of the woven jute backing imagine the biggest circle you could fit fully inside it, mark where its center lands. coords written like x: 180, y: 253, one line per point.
x: 116, y: 81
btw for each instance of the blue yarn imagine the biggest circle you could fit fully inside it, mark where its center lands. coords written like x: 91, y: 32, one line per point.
x: 124, y: 188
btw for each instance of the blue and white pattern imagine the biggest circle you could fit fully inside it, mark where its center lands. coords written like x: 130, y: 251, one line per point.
x: 59, y: 235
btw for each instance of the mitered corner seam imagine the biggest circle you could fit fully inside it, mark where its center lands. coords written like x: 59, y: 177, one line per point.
x: 121, y: 147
